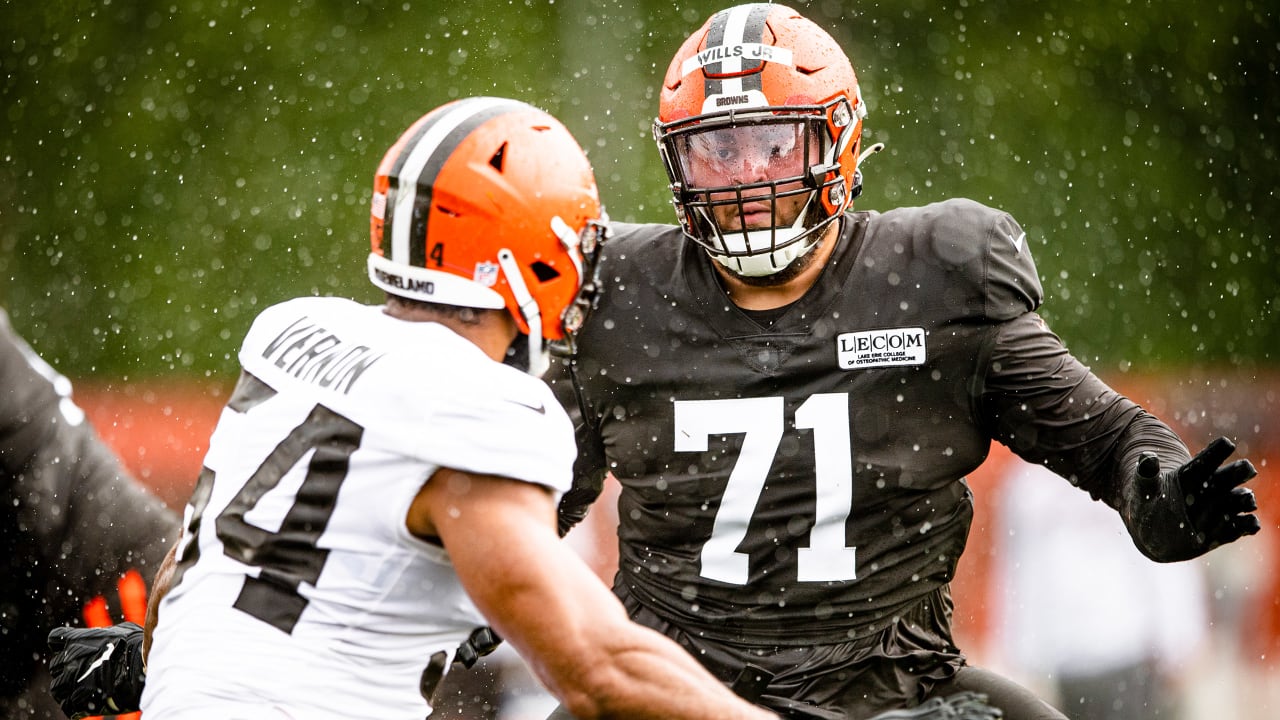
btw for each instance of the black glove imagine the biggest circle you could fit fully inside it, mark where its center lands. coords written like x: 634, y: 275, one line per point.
x: 97, y: 671
x: 574, y: 505
x: 961, y: 706
x: 1186, y: 512
x: 481, y: 642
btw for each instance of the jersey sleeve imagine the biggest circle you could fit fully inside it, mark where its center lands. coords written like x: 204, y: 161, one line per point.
x: 974, y: 258
x: 424, y: 391
x: 1050, y: 409
x: 1012, y: 285
x: 82, y: 515
x: 507, y: 424
x: 589, y: 468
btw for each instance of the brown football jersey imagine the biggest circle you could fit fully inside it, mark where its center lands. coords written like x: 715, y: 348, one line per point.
x: 72, y: 521
x: 803, y: 481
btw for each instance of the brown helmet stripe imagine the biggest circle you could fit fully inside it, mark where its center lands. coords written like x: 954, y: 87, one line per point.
x: 735, y: 26
x: 419, y: 163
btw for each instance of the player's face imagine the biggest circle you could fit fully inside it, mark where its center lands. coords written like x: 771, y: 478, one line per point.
x: 733, y: 156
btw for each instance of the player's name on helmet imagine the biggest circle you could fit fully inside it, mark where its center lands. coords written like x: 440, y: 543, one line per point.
x: 426, y: 287
x: 311, y: 353
x: 745, y: 51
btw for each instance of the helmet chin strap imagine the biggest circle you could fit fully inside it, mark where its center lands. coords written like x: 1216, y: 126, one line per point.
x: 538, y: 360
x: 766, y: 263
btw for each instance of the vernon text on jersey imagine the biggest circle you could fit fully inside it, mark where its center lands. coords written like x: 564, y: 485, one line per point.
x: 310, y: 352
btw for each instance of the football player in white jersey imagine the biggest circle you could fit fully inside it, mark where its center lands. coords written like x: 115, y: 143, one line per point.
x: 381, y: 483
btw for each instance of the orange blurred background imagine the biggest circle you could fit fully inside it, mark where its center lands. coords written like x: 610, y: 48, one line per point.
x: 160, y: 431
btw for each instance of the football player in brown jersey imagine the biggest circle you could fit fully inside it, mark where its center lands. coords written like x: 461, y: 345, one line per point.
x: 79, y: 537
x: 791, y: 393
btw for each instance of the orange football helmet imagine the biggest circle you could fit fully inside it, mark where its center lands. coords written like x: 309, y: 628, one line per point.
x: 760, y: 119
x: 490, y: 203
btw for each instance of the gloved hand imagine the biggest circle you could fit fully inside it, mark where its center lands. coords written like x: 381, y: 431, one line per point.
x: 1185, y: 512
x: 97, y: 671
x: 961, y: 706
x: 574, y: 505
x: 481, y: 642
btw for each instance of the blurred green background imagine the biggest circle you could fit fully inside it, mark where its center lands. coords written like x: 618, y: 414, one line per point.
x: 167, y: 169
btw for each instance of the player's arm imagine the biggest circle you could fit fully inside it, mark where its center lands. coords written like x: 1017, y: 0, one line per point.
x: 589, y: 469
x: 1050, y: 409
x: 500, y: 535
x: 89, y: 517
x: 97, y: 670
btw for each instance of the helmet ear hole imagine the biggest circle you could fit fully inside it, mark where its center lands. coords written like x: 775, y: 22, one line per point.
x: 856, y: 190
x: 499, y: 158
x: 836, y: 195
x: 544, y: 272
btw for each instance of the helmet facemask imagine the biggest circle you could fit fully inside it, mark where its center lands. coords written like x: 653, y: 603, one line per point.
x: 531, y: 350
x: 756, y: 188
x: 585, y: 246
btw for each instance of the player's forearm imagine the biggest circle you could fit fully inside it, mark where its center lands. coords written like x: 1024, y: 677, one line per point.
x: 603, y: 665
x: 1050, y: 409
x: 557, y: 614
x: 639, y: 674
x: 1147, y: 433
x: 578, y: 639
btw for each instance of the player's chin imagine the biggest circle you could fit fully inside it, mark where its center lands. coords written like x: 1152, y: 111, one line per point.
x: 781, y: 277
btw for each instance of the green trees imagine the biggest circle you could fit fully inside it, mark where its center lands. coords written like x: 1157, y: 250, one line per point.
x: 168, y: 169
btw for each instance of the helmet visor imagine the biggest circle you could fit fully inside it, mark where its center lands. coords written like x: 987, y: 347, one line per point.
x: 734, y: 174
x: 736, y: 155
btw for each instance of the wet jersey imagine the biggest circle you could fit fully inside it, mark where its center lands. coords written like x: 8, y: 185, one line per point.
x: 298, y: 584
x: 800, y: 479
x: 72, y: 522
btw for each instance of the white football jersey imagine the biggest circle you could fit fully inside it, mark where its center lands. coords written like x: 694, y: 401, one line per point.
x: 299, y: 589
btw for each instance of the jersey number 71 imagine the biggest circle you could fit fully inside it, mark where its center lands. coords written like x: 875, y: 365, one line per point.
x: 761, y: 421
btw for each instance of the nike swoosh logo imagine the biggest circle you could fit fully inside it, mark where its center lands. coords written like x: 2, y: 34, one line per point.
x: 540, y: 408
x: 105, y: 656
x: 1017, y: 241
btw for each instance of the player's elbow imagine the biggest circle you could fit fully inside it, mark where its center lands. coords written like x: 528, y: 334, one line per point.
x: 594, y: 692
x: 582, y: 706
